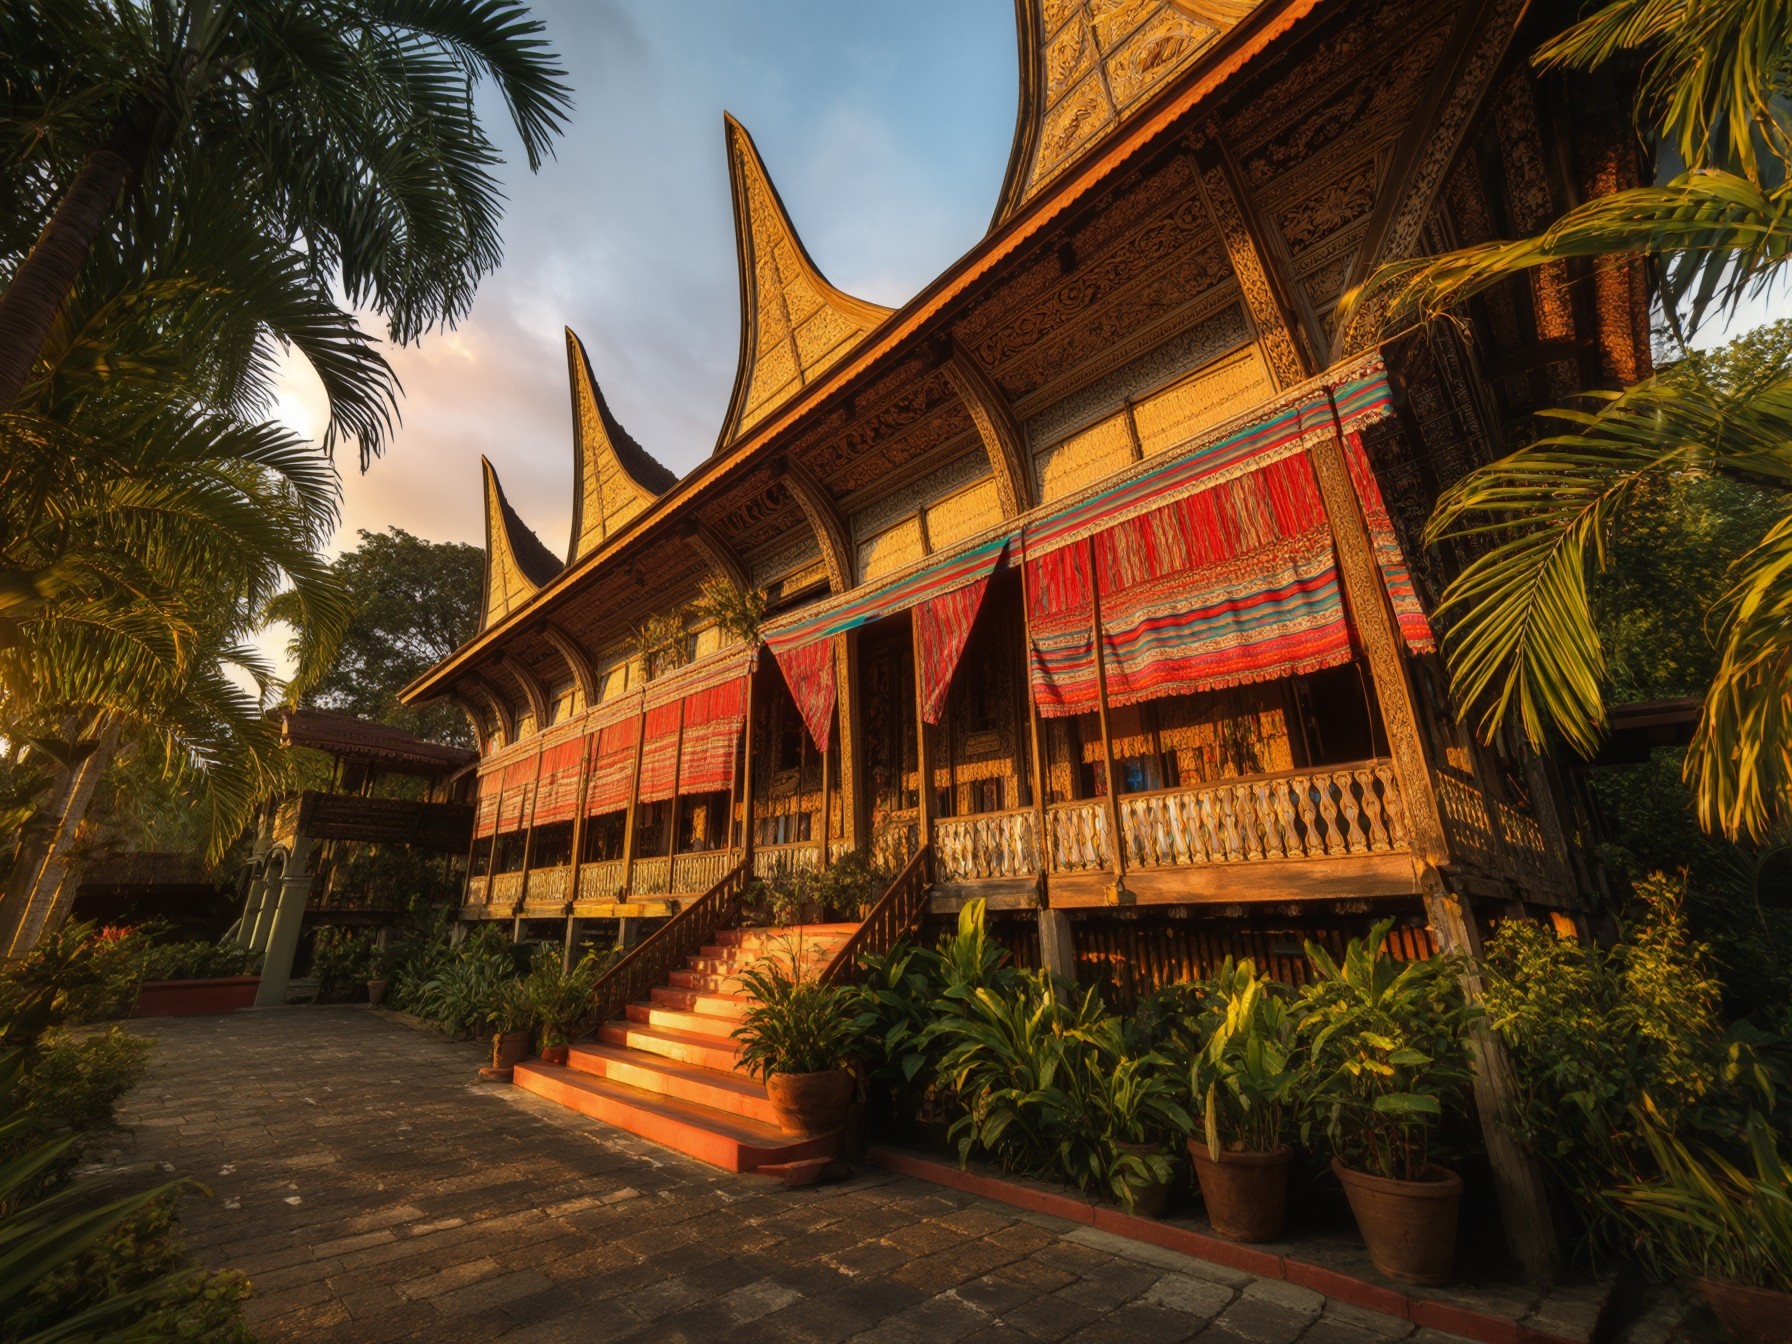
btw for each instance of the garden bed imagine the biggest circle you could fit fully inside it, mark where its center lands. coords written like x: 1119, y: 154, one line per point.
x: 1492, y: 1312
x: 193, y: 998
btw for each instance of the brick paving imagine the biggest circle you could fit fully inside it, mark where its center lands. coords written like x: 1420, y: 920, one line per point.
x: 373, y: 1192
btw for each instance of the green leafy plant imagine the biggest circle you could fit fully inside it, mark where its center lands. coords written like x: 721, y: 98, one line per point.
x: 560, y: 999
x: 662, y: 643
x: 344, y: 959
x: 1246, y: 1077
x: 1387, y: 1053
x: 457, y: 986
x: 75, y: 1081
x: 795, y: 1025
x: 198, y: 961
x: 511, y: 1008
x: 847, y: 888
x: 733, y: 612
x: 1706, y: 1216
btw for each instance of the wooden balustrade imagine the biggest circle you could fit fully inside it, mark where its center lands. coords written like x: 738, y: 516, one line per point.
x: 1078, y: 833
x: 506, y: 888
x: 895, y: 914
x: 1526, y: 848
x: 1466, y: 820
x: 600, y: 881
x: 477, y: 889
x: 1348, y: 809
x: 895, y: 843
x: 776, y: 863
x: 650, y: 877
x: 668, y: 947
x: 700, y: 872
x: 547, y: 886
x: 987, y: 845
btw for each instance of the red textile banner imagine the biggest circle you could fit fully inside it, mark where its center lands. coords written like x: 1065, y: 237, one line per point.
x: 942, y: 626
x: 519, y: 792
x: 713, y: 719
x: 486, y: 820
x: 1389, y: 556
x: 809, y: 672
x: 559, y: 788
x: 659, y: 753
x: 613, y: 768
x: 1235, y: 584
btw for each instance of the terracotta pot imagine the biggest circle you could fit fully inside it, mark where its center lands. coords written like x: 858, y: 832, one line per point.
x: 376, y: 992
x: 509, y: 1048
x: 1752, y: 1315
x: 190, y: 998
x: 1408, y: 1226
x: 1246, y: 1193
x: 1150, y: 1198
x: 810, y: 1103
x: 555, y: 1054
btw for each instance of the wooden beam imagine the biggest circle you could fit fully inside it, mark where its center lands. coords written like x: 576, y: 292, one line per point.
x: 719, y: 555
x: 533, y: 691
x: 1433, y: 137
x: 855, y: 802
x: 577, y: 661
x: 1003, y: 439
x: 1116, y: 834
x: 474, y: 717
x: 500, y: 704
x: 830, y: 529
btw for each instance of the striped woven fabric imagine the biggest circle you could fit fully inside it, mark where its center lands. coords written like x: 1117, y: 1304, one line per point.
x: 558, y: 791
x: 518, y: 785
x: 613, y: 767
x: 942, y: 626
x: 485, y: 819
x: 1414, y: 628
x: 712, y: 725
x: 809, y: 672
x: 659, y: 753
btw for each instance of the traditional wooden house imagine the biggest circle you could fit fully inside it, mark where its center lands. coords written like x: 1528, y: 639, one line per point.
x: 1093, y: 572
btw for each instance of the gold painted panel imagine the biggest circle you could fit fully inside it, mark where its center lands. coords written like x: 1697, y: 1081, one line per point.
x: 1084, y: 458
x: 887, y: 551
x: 964, y: 514
x: 1227, y: 387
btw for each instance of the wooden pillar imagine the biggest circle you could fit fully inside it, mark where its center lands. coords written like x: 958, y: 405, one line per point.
x: 574, y: 926
x: 586, y: 755
x: 1043, y: 844
x: 634, y: 805
x: 675, y: 811
x: 855, y: 802
x: 744, y: 787
x: 1116, y: 839
x: 923, y: 758
x: 827, y: 773
x: 522, y: 886
x: 1057, y: 950
x: 288, y: 923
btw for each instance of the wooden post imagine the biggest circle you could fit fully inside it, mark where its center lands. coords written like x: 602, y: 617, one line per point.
x: 745, y: 789
x: 522, y: 886
x: 826, y: 784
x: 1043, y: 845
x: 1057, y: 950
x: 854, y: 800
x: 673, y: 813
x: 1116, y: 840
x: 574, y: 926
x: 586, y: 756
x: 634, y: 805
x: 923, y: 762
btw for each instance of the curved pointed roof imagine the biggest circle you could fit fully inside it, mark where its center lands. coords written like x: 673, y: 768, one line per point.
x: 613, y: 477
x: 794, y: 325
x: 516, y: 563
x: 1088, y: 65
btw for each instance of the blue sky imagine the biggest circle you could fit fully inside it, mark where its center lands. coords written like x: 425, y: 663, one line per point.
x: 886, y: 130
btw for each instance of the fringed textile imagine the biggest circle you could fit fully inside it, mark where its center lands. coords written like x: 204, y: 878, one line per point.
x: 659, y: 753
x: 613, y: 767
x: 809, y: 672
x: 713, y: 720
x: 518, y: 792
x: 1415, y: 629
x: 558, y: 793
x: 942, y: 627
x: 485, y: 820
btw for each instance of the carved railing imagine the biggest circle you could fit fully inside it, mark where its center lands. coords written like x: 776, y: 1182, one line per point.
x: 600, y: 881
x: 700, y: 872
x: 476, y: 890
x: 547, y: 886
x: 1348, y: 809
x: 777, y: 863
x: 1466, y: 819
x: 668, y: 947
x: 1078, y: 833
x: 896, y: 913
x: 895, y: 843
x: 506, y: 888
x: 991, y: 844
x: 650, y: 877
x: 1526, y: 848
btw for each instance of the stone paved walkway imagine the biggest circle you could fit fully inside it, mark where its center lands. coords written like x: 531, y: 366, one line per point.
x: 373, y: 1192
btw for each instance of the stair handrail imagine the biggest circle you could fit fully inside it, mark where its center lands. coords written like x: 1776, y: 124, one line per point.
x: 896, y: 913
x: 650, y: 964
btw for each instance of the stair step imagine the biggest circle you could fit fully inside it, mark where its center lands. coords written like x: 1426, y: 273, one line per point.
x: 712, y: 1052
x: 732, y: 1142
x: 696, y: 1024
x: 708, y: 982
x: 730, y: 1004
x: 731, y: 1093
x: 760, y: 936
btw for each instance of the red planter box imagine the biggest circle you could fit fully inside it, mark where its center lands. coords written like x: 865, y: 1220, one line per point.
x: 188, y: 998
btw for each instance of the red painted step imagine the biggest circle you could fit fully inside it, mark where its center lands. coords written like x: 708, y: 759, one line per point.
x: 730, y: 1004
x: 734, y: 1093
x: 697, y: 1024
x: 712, y: 1052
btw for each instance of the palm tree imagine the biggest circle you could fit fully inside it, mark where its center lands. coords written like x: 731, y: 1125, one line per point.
x: 1524, y: 647
x: 343, y: 130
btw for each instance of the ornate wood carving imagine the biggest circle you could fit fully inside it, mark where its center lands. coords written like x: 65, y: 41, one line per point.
x: 1003, y: 439
x: 824, y: 518
x: 720, y: 555
x: 500, y: 704
x: 533, y: 691
x: 577, y: 661
x: 1433, y: 136
x: 474, y: 717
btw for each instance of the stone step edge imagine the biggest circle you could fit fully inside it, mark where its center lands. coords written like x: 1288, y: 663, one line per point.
x: 1038, y: 1197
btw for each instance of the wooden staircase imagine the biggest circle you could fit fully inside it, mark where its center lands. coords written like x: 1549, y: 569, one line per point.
x: 667, y: 1068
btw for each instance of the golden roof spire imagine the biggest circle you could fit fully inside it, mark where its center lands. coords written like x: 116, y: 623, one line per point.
x: 516, y: 563
x: 794, y: 324
x: 614, y: 478
x: 1087, y: 65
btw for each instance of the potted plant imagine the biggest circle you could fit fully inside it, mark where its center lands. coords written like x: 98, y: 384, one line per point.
x: 560, y: 999
x: 1728, y: 1230
x: 1243, y: 1081
x: 799, y: 1037
x: 1388, y: 1059
x: 510, y: 1016
x: 186, y: 979
x: 1137, y: 1100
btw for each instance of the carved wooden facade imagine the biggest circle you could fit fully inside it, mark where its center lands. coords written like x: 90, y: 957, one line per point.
x: 1194, y: 187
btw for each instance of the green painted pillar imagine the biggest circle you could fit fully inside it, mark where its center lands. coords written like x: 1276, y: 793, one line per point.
x: 288, y: 921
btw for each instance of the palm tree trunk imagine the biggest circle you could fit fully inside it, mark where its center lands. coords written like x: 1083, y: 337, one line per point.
x: 43, y: 283
x: 41, y: 868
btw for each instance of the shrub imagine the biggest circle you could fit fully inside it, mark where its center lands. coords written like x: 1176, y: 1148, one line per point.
x: 76, y: 1082
x: 198, y: 961
x: 1245, y: 1078
x: 1387, y: 1053
x: 344, y: 959
x: 795, y: 1025
x: 461, y: 987
x: 561, y: 999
